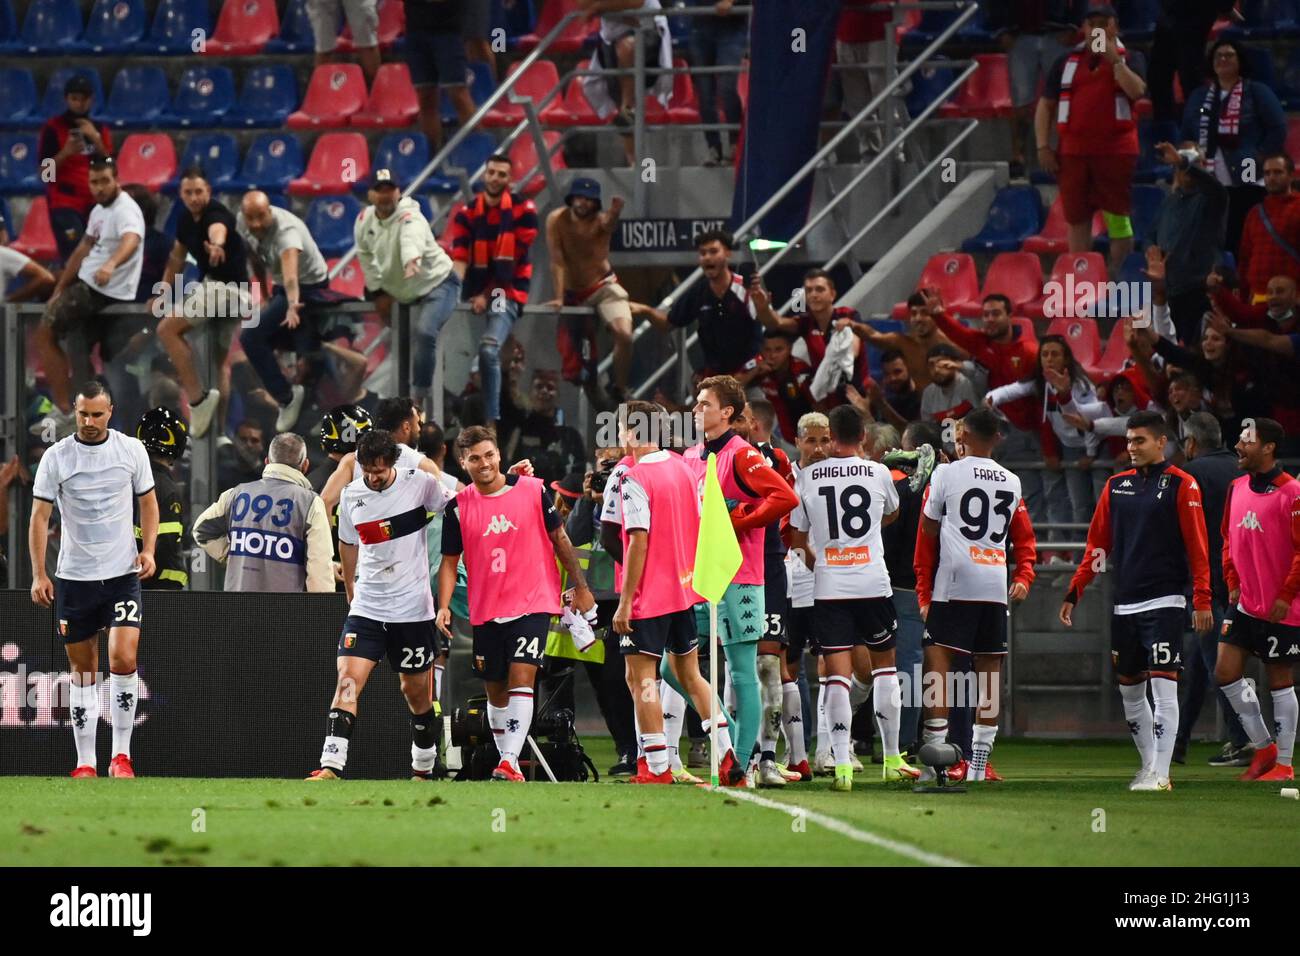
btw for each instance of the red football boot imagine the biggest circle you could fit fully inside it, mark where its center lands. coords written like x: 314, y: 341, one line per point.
x: 1279, y: 772
x: 121, y: 767
x: 992, y: 775
x: 730, y: 771
x: 1265, y: 760
x: 505, y: 771
x: 802, y: 769
x: 957, y: 772
x: 85, y: 771
x: 647, y: 777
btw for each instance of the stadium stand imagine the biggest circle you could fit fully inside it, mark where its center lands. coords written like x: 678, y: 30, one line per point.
x: 217, y: 154
x: 174, y: 26
x: 19, y: 172
x: 269, y: 95
x: 338, y: 161
x: 330, y: 220
x: 204, y: 96
x: 37, y: 237
x: 243, y: 29
x: 272, y: 162
x: 148, y: 159
x: 1016, y: 214
x: 113, y: 25
x: 392, y: 101
x: 335, y: 92
x: 50, y: 27
x: 138, y: 98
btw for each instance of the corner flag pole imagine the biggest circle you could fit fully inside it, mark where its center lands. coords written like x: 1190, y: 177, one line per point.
x: 713, y: 694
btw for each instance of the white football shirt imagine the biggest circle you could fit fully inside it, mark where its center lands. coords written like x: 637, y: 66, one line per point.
x: 388, y: 528
x: 611, y: 509
x: 94, y: 487
x: 407, y: 458
x: 798, y: 579
x: 842, y: 502
x: 107, y: 225
x: 974, y: 500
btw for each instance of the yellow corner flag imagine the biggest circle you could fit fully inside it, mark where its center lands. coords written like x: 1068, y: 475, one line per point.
x: 717, y: 552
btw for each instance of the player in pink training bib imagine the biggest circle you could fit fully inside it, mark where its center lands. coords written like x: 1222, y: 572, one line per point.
x: 510, y: 534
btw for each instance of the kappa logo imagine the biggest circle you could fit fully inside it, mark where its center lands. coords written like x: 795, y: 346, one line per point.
x: 1293, y: 649
x: 1250, y: 522
x: 499, y: 524
x: 625, y: 641
x: 1126, y: 483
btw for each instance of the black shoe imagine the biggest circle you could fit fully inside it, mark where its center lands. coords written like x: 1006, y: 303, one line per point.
x: 1233, y: 756
x: 1180, y: 752
x: 624, y: 768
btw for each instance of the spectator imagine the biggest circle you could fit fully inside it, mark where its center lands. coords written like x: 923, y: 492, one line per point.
x: 157, y: 247
x: 860, y: 47
x: 950, y: 393
x: 402, y: 261
x: 577, y: 238
x: 1063, y: 387
x: 285, y: 546
x: 1273, y: 358
x: 39, y: 281
x: 784, y: 381
x: 241, y: 460
x: 363, y: 19
x: 920, y: 335
x: 1179, y: 47
x: 435, y: 55
x: 1214, y: 468
x: 1091, y: 92
x: 103, y: 269
x: 10, y: 471
x: 899, y: 400
x: 555, y: 449
x: 815, y: 325
x: 1270, y: 237
x: 475, y: 28
x: 280, y: 247
x: 206, y: 231
x: 1034, y: 34
x: 730, y: 334
x: 719, y: 40
x: 1187, y: 236
x: 513, y: 403
x: 490, y: 243
x: 72, y: 140
x: 1234, y: 120
x: 1277, y: 312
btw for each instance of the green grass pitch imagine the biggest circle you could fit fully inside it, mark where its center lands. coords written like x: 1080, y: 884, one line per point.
x: 1050, y: 811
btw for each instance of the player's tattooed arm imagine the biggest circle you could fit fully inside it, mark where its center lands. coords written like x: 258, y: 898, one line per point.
x: 583, y: 599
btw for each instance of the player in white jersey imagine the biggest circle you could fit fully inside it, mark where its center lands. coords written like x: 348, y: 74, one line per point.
x: 93, y: 475
x: 385, y: 556
x: 972, y: 508
x: 844, y: 501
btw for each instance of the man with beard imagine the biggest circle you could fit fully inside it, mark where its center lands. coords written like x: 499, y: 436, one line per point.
x: 578, y: 239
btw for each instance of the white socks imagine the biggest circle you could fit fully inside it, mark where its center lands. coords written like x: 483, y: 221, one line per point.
x: 980, y: 747
x: 437, y: 682
x: 674, y: 710
x: 1164, y: 695
x: 823, y: 729
x: 792, y: 722
x: 1241, y: 694
x: 887, y: 698
x: 83, y: 702
x: 839, y: 715
x: 935, y: 730
x: 517, y: 718
x: 656, y: 752
x: 769, y: 680
x: 724, y: 735
x: 1286, y: 711
x: 1138, y: 713
x: 124, y: 694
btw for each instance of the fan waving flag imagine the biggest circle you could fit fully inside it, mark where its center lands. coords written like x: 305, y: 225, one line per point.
x: 717, y: 552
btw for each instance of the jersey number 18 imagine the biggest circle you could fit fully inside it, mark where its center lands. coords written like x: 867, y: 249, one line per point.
x: 855, y: 501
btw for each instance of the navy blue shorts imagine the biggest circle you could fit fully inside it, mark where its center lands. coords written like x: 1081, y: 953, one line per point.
x: 672, y: 633
x: 841, y: 625
x: 521, y: 641
x: 410, y: 646
x: 967, y: 627
x: 775, y: 603
x: 1147, y: 641
x: 1271, y: 643
x: 435, y: 59
x: 84, y: 608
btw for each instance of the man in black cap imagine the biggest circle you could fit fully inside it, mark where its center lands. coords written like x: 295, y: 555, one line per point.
x: 71, y: 139
x: 578, y: 239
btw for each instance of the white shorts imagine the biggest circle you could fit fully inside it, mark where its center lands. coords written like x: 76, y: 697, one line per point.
x: 363, y: 18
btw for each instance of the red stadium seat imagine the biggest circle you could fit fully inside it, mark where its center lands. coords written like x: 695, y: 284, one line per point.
x: 1083, y: 267
x: 1055, y: 237
x: 1085, y: 341
x: 1018, y: 276
x: 148, y: 159
x: 685, y: 105
x: 954, y: 275
x: 392, y: 24
x: 571, y: 109
x: 37, y: 237
x: 568, y: 42
x: 742, y: 89
x: 1114, y: 355
x: 1293, y: 136
x: 986, y: 94
x: 392, y: 102
x: 350, y: 282
x: 337, y: 164
x: 1026, y: 327
x: 335, y: 92
x: 444, y: 238
x: 523, y: 156
x: 538, y: 80
x: 243, y: 27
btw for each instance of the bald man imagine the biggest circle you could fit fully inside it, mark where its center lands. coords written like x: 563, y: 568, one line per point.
x: 279, y: 246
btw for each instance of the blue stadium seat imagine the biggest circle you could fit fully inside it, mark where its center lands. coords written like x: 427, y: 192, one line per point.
x: 295, y: 31
x: 1262, y: 68
x: 174, y: 23
x: 934, y: 22
x: 425, y: 207
x: 927, y: 84
x: 54, y: 103
x: 203, y: 97
x: 51, y: 26
x: 1146, y: 204
x: 1016, y: 214
x: 1133, y: 268
x: 137, y: 99
x: 469, y: 156
x: 330, y: 219
x: 218, y: 156
x: 19, y: 168
x: 18, y: 99
x: 1288, y: 89
x: 270, y: 94
x: 517, y: 20
x: 1137, y: 19
x: 8, y: 25
x: 405, y: 153
x: 114, y: 26
x: 480, y: 88
x: 271, y: 163
x: 5, y: 220
x: 1264, y: 19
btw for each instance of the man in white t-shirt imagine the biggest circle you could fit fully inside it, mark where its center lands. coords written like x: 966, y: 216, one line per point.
x: 844, y: 502
x: 95, y: 477
x: 13, y: 265
x: 104, y: 269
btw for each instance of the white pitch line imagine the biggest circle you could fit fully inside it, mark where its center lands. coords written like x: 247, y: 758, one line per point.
x: 843, y: 829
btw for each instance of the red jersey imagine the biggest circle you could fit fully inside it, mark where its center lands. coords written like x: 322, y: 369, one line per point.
x: 70, y: 188
x: 1005, y: 362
